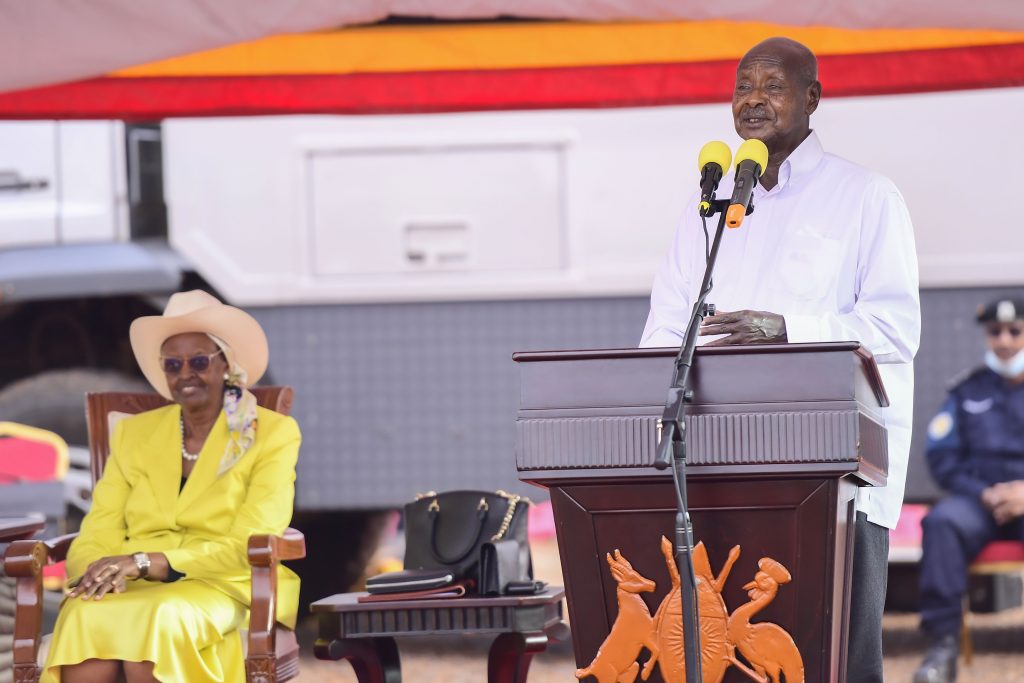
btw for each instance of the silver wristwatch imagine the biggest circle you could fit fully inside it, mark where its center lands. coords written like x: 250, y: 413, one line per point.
x: 142, y: 562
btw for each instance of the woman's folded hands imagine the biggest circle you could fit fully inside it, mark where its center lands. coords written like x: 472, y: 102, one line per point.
x: 105, y: 575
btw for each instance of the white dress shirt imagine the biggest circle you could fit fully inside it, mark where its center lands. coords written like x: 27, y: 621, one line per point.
x: 831, y: 248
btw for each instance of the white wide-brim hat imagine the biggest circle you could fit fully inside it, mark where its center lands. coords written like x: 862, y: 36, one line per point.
x: 197, y: 311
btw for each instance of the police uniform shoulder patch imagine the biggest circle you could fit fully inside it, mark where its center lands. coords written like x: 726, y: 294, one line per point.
x: 940, y: 426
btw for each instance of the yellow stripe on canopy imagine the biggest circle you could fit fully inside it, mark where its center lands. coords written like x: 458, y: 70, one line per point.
x: 444, y: 47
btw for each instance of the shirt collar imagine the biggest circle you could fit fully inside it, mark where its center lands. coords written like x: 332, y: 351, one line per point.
x: 802, y: 160
x: 806, y: 157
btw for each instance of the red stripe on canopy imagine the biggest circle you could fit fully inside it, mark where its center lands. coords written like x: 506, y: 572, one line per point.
x: 543, y: 88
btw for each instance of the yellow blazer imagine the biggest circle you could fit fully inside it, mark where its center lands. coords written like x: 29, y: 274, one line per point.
x: 204, y: 531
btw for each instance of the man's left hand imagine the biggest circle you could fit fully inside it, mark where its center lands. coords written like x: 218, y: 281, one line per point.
x: 1011, y: 501
x: 745, y: 327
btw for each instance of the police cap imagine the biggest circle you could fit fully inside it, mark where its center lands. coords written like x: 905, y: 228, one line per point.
x: 1001, y: 311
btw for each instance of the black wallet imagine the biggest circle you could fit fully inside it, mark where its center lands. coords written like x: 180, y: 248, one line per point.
x: 409, y: 580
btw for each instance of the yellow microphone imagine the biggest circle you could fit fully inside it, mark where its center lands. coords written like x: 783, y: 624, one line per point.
x: 751, y: 161
x: 712, y: 161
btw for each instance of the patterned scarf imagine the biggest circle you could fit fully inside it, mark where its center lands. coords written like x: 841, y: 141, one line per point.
x: 239, y: 408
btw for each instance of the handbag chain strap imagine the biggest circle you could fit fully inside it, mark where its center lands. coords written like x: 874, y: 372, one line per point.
x: 513, y: 501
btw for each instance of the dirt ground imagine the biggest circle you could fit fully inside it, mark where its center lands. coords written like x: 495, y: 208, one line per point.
x: 998, y: 649
x: 998, y: 657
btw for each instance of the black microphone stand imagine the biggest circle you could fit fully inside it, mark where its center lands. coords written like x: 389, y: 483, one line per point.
x: 672, y: 451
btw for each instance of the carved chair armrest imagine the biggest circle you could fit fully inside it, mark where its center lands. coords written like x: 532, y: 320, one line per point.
x: 24, y: 561
x: 21, y: 557
x: 265, y: 553
x: 58, y: 547
x: 265, y: 549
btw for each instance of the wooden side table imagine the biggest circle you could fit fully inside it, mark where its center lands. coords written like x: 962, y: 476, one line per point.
x: 365, y: 633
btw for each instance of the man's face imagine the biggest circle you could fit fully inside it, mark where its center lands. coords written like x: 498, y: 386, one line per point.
x: 771, y: 103
x: 1005, y: 339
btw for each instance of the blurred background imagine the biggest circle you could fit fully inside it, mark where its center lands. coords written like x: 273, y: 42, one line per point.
x: 405, y: 193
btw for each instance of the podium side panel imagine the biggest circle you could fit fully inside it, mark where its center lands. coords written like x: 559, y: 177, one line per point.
x: 846, y: 516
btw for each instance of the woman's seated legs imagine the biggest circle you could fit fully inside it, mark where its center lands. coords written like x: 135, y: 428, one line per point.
x: 93, y: 671
x: 139, y: 672
x: 181, y: 631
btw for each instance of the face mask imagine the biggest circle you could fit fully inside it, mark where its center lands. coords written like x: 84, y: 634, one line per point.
x: 1009, y: 369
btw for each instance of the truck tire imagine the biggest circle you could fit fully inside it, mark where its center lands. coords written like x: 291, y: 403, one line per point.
x: 339, y: 544
x: 55, y: 400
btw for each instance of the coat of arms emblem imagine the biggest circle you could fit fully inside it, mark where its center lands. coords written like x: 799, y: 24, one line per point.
x: 763, y: 651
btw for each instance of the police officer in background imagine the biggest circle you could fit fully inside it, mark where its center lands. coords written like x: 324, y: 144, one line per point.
x: 976, y: 452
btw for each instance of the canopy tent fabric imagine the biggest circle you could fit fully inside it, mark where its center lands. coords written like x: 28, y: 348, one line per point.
x: 518, y: 65
x: 52, y: 41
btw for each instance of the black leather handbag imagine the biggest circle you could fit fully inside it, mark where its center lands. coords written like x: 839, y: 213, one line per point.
x: 454, y: 529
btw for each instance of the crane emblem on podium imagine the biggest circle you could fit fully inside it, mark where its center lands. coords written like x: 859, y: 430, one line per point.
x: 768, y: 652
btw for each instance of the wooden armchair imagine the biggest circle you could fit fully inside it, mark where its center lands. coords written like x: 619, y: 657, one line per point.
x: 273, y: 653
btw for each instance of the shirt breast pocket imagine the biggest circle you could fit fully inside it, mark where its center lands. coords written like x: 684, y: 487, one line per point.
x: 808, y: 266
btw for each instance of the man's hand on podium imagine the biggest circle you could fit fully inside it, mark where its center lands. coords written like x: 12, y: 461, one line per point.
x: 745, y: 327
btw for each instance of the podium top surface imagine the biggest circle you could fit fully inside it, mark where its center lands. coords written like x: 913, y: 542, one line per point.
x: 759, y: 373
x: 760, y: 408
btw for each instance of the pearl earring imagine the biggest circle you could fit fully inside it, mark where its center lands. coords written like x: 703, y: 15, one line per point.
x: 226, y: 377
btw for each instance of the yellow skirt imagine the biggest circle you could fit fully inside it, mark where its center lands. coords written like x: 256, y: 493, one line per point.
x: 189, y: 630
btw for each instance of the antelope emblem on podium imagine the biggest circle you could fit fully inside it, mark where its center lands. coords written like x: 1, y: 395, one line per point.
x: 768, y: 652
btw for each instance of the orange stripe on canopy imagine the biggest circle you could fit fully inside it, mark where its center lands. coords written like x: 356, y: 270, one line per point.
x: 530, y: 45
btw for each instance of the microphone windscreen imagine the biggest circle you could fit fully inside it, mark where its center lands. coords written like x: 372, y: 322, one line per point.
x: 714, y: 152
x: 753, y: 150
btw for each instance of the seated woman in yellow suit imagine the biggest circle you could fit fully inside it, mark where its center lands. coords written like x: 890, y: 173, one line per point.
x: 161, y: 579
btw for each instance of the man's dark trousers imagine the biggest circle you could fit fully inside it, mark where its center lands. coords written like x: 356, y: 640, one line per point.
x: 955, y: 531
x: 867, y: 597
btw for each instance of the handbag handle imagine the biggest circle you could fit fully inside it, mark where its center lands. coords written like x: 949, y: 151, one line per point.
x: 434, y: 511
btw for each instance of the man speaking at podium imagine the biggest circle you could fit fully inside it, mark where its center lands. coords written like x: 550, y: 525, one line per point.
x: 827, y: 255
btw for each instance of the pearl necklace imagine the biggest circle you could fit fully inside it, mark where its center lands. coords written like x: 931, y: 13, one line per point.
x: 191, y: 457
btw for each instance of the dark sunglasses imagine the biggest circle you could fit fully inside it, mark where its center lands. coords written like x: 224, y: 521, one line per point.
x: 997, y: 330
x: 200, y: 363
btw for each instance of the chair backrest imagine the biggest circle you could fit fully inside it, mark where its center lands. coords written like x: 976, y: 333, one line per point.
x: 98, y: 407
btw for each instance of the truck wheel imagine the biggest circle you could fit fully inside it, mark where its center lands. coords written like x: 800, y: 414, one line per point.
x: 339, y: 544
x: 55, y: 400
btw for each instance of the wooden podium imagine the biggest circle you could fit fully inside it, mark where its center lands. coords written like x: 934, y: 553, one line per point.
x: 779, y: 439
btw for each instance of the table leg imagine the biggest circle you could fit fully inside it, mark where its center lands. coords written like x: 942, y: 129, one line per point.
x: 375, y: 660
x: 510, y: 655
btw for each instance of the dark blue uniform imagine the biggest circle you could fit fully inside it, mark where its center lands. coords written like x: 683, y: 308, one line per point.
x: 976, y: 440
